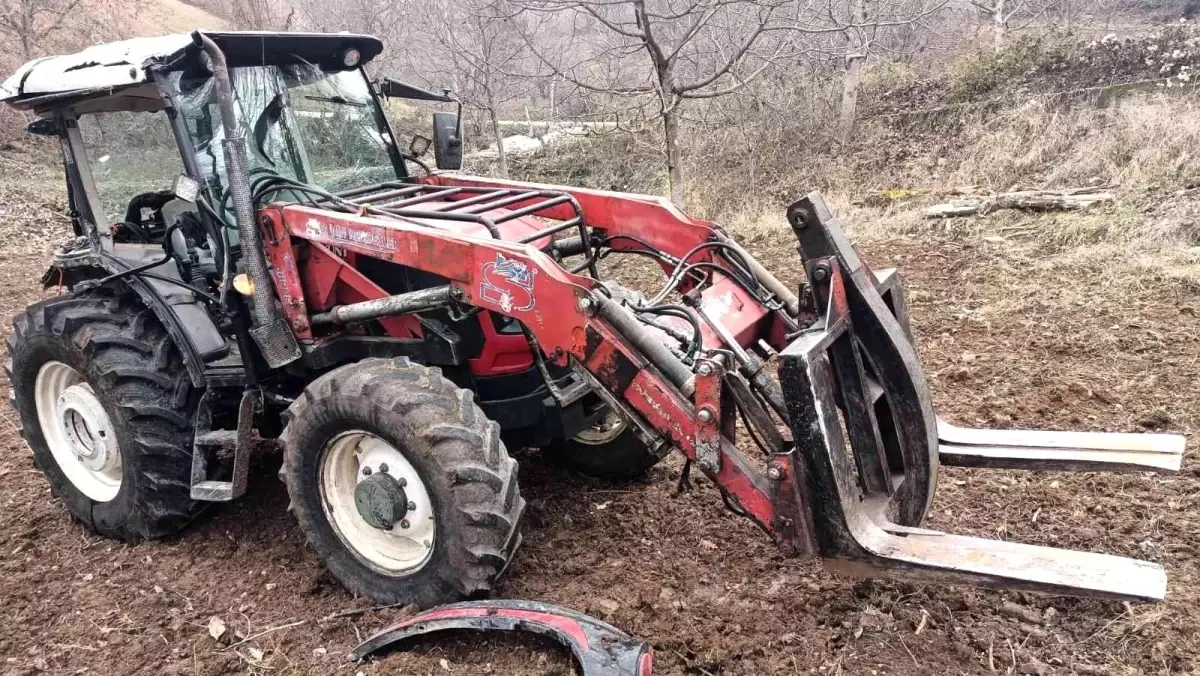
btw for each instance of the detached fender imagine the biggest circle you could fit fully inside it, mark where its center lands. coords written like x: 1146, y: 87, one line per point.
x: 187, y: 330
x: 600, y: 648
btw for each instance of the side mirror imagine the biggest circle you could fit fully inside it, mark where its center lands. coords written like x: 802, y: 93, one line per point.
x: 186, y: 188
x: 418, y: 146
x: 43, y: 126
x: 447, y: 141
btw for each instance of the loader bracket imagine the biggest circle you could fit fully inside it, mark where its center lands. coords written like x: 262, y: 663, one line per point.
x: 861, y: 412
x: 600, y: 648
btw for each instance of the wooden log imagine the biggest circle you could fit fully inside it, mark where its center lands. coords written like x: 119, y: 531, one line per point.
x: 1029, y: 200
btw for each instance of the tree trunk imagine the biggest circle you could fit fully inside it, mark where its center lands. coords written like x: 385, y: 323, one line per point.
x: 674, y: 156
x: 849, y: 98
x: 501, y: 158
x: 1000, y: 25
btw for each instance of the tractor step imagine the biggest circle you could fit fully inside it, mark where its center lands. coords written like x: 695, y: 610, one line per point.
x: 207, y: 440
x: 1059, y: 451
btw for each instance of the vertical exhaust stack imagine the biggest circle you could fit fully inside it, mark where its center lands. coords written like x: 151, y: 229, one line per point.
x: 270, y: 331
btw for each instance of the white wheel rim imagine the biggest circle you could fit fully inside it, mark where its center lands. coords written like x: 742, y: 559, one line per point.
x: 407, y: 545
x: 603, y: 431
x: 78, y: 431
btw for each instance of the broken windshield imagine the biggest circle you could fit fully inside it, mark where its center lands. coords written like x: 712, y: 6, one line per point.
x: 299, y: 121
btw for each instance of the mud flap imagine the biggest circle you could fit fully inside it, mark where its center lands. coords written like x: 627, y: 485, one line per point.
x: 600, y: 649
x: 862, y: 413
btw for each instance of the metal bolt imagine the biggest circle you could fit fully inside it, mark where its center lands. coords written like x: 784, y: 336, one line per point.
x: 585, y: 305
x: 800, y: 219
x: 403, y: 482
x: 404, y: 523
x: 383, y: 467
x: 820, y: 273
x: 705, y: 369
x: 412, y: 505
x: 775, y: 472
x: 705, y: 415
x: 366, y: 471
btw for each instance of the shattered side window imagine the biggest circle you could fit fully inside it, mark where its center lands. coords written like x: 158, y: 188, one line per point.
x: 130, y: 154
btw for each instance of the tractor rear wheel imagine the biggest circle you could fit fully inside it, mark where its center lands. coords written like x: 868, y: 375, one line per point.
x: 608, y: 449
x: 106, y: 406
x: 401, y: 484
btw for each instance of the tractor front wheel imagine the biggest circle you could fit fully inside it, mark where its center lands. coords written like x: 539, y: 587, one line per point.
x: 401, y: 483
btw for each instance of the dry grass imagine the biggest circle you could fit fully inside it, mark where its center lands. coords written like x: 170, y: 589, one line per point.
x: 1144, y: 148
x: 1146, y: 141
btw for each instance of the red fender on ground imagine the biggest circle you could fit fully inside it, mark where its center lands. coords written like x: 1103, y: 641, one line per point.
x: 600, y: 648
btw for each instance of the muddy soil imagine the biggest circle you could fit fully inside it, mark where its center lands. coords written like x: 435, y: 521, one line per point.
x: 1007, y: 339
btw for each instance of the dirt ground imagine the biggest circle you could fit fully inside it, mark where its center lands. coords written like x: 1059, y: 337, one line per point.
x: 1010, y: 336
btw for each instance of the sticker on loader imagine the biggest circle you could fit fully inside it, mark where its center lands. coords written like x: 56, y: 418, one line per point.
x: 509, y: 284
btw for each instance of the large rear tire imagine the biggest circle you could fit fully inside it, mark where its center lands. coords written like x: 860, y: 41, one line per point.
x: 401, y: 484
x: 607, y: 450
x: 106, y: 406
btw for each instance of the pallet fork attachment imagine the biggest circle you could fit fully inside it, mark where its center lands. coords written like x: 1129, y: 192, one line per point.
x: 862, y: 414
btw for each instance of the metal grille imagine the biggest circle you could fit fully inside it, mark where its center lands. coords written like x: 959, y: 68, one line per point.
x: 276, y: 342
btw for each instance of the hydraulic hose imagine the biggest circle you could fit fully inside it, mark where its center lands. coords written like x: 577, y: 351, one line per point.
x: 648, y: 344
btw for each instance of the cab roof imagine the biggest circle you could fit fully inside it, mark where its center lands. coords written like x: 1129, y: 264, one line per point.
x: 52, y: 80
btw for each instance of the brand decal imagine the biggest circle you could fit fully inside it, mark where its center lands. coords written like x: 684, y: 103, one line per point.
x: 508, y: 283
x: 369, y: 237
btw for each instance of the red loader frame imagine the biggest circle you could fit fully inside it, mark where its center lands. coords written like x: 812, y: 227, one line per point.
x: 849, y: 375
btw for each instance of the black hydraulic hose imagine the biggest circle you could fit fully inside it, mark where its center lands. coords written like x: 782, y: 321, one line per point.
x: 660, y: 355
x: 144, y: 270
x: 221, y: 240
x: 147, y: 266
x: 163, y: 278
x: 694, y: 343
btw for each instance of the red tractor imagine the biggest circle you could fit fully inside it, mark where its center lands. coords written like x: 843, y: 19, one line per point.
x: 256, y: 256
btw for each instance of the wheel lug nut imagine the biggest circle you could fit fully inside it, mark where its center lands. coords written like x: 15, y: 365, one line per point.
x: 404, y: 523
x: 366, y: 471
x: 412, y: 505
x: 383, y: 467
x: 403, y: 482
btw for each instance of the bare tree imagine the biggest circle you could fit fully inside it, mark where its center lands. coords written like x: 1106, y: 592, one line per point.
x: 478, y: 49
x: 266, y: 15
x: 29, y: 22
x: 1002, y: 12
x: 672, y: 52
x: 873, y: 27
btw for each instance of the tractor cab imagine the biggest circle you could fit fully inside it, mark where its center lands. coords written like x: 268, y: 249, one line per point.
x: 137, y: 114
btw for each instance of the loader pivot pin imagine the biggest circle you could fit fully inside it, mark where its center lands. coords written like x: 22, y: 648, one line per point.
x: 381, y: 500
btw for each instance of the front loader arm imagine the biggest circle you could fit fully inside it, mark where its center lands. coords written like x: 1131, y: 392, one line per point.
x: 566, y: 316
x: 856, y: 480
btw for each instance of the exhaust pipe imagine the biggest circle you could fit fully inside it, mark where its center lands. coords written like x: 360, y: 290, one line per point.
x: 270, y: 331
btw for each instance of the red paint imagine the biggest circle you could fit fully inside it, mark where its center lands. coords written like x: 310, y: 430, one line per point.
x: 651, y: 218
x: 645, y: 664
x: 312, y: 252
x: 502, y: 352
x: 554, y: 317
